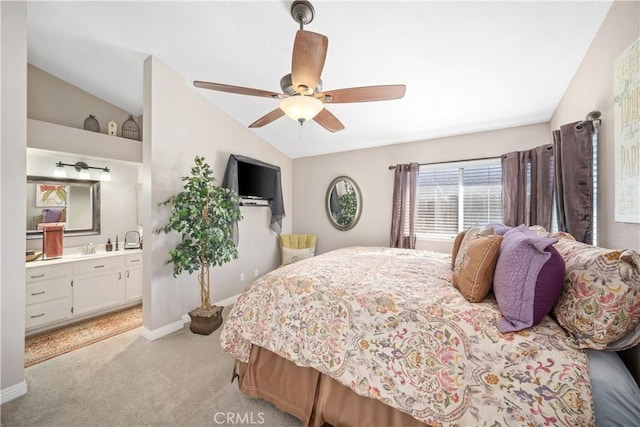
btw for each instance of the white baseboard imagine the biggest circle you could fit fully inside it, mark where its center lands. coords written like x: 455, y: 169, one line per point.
x: 10, y: 393
x: 153, y: 335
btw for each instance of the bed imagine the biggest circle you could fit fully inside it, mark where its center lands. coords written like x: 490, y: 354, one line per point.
x: 379, y: 336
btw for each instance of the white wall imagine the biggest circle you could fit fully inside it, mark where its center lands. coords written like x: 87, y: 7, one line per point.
x: 180, y: 124
x: 369, y: 169
x: 119, y: 198
x: 592, y: 89
x: 13, y: 118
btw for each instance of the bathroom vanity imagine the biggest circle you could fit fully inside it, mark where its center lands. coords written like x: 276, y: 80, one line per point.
x: 75, y: 287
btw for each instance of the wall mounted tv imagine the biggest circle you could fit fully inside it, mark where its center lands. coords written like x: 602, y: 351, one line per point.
x: 256, y: 181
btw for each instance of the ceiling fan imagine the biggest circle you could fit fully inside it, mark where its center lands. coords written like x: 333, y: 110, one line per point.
x: 303, y: 98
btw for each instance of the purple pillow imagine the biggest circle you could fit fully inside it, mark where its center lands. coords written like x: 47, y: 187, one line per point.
x: 549, y: 285
x: 51, y: 215
x: 499, y: 229
x: 528, y: 278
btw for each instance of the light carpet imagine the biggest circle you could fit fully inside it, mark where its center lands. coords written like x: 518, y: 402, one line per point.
x: 46, y: 345
x: 182, y: 379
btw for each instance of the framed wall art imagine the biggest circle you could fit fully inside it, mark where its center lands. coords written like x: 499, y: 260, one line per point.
x: 51, y: 195
x: 626, y: 91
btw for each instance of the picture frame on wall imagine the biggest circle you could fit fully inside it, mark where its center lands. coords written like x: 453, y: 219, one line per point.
x: 51, y: 195
x: 626, y: 90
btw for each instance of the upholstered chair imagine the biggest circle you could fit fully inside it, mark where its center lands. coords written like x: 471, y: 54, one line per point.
x: 296, y: 247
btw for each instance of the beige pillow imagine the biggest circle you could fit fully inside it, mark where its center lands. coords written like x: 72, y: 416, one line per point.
x: 290, y: 255
x: 456, y: 247
x: 475, y: 264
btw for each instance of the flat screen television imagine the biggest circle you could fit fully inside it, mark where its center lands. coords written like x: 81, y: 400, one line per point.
x: 255, y: 181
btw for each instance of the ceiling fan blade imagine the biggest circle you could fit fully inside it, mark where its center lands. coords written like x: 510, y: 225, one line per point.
x: 309, y: 53
x: 362, y: 94
x: 235, y: 89
x: 267, y: 118
x: 328, y: 121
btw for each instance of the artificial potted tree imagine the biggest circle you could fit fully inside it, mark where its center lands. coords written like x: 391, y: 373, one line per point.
x: 204, y: 214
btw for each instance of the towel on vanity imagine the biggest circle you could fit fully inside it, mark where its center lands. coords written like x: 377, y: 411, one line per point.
x: 41, y: 226
x: 52, y: 241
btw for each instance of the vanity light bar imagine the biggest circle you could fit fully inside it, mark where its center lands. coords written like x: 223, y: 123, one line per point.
x: 83, y: 170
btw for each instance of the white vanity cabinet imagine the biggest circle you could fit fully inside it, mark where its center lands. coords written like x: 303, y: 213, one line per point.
x: 97, y: 284
x: 72, y: 288
x: 48, y: 295
x: 133, y: 277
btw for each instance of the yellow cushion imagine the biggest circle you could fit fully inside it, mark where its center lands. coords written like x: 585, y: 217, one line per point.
x: 297, y: 241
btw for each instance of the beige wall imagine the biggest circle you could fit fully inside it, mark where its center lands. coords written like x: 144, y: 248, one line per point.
x: 180, y: 124
x: 53, y: 100
x: 592, y: 89
x: 13, y: 131
x: 369, y: 169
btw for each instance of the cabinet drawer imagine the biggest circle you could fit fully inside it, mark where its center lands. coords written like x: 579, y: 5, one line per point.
x: 45, y: 273
x: 47, y: 312
x: 133, y: 260
x: 97, y: 265
x: 41, y: 291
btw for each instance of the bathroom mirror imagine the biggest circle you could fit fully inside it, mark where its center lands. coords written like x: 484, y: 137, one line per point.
x: 344, y: 203
x: 72, y: 202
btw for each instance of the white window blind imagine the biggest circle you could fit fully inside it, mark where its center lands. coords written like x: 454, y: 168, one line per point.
x: 437, y: 204
x: 482, y: 195
x: 454, y: 196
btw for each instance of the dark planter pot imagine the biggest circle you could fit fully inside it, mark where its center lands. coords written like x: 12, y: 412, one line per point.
x: 205, y: 322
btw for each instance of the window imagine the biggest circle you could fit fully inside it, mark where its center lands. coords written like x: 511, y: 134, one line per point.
x: 455, y: 196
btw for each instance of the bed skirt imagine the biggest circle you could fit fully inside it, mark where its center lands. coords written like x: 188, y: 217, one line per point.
x: 312, y: 397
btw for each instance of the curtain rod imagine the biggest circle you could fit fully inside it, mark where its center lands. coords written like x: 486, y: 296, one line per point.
x: 392, y: 167
x: 592, y: 116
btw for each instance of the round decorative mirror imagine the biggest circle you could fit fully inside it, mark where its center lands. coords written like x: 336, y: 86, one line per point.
x: 344, y: 203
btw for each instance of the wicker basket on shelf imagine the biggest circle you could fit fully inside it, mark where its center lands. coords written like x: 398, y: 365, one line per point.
x: 91, y: 123
x: 130, y: 129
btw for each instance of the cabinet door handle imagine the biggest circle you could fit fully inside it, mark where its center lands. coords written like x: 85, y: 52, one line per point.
x: 37, y: 293
x: 119, y: 276
x: 135, y: 260
x: 127, y: 274
x: 37, y: 275
x: 37, y: 315
x: 98, y: 266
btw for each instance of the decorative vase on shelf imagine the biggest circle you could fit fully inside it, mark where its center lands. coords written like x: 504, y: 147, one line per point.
x: 91, y: 123
x: 112, y: 128
x: 130, y: 129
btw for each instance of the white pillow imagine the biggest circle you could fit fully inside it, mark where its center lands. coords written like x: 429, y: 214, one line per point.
x: 289, y: 255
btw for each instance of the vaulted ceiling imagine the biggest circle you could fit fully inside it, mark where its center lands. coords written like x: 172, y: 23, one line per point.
x: 468, y: 66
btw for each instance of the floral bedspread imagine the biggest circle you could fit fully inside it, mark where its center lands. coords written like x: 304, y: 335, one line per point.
x: 388, y: 324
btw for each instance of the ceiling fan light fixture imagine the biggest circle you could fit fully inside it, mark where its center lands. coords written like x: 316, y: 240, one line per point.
x: 301, y: 108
